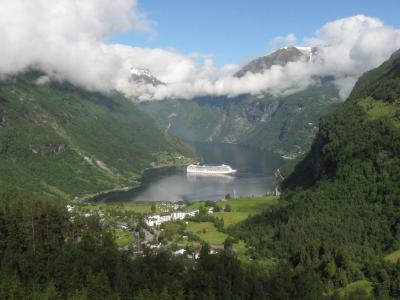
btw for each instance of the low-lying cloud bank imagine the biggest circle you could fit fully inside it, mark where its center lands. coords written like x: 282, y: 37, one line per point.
x: 66, y: 39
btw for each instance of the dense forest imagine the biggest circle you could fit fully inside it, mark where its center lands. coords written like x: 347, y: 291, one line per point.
x: 339, y: 218
x: 343, y: 214
x: 48, y: 253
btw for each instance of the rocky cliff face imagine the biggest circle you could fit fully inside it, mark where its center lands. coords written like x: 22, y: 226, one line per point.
x: 144, y: 76
x: 211, y: 119
x: 286, y: 125
x: 241, y: 117
x: 280, y: 57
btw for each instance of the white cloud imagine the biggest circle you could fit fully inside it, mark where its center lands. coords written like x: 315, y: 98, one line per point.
x: 282, y: 41
x: 352, y: 46
x: 66, y: 39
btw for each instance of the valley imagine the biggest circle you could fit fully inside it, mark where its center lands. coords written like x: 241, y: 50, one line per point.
x: 255, y: 177
x: 286, y: 124
x: 216, y: 150
x: 330, y: 226
x: 210, y: 224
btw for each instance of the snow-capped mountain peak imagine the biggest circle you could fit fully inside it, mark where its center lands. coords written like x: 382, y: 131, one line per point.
x: 279, y: 57
x: 144, y: 76
x: 141, y: 72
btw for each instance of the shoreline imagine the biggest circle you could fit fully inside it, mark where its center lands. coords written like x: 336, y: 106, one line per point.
x: 138, y: 180
x: 90, y: 196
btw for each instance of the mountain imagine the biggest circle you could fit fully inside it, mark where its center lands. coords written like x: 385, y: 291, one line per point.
x: 144, y: 76
x: 374, y: 101
x: 340, y: 211
x: 279, y: 57
x: 286, y: 125
x: 58, y: 139
x: 292, y: 127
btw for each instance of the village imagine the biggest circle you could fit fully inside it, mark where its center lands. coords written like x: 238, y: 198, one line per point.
x: 142, y: 227
x: 179, y: 228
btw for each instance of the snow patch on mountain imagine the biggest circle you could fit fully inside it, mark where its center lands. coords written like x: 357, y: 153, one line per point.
x: 143, y: 76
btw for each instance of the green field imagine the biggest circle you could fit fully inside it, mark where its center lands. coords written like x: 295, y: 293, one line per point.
x: 207, y: 232
x: 251, y: 205
x: 247, y: 204
x: 393, y: 257
x: 231, y: 218
x: 123, y: 238
x: 240, y: 208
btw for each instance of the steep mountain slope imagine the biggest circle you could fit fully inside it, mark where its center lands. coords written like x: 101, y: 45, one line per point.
x: 280, y: 57
x: 374, y: 101
x: 286, y: 125
x: 185, y: 118
x: 59, y: 139
x: 343, y: 205
x: 292, y: 127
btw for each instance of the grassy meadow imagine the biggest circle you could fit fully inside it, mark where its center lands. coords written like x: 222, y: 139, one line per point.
x: 240, y: 208
x: 207, y: 232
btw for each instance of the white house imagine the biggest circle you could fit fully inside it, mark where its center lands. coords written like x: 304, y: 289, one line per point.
x: 153, y: 220
x: 157, y: 220
x: 178, y: 215
x: 179, y: 252
x: 165, y: 218
x: 192, y: 213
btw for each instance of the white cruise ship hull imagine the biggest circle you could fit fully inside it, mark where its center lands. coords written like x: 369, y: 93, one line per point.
x: 210, y: 170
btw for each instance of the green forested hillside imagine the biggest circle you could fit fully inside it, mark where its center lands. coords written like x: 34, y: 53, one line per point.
x: 342, y: 216
x: 292, y: 127
x: 65, y: 141
x: 48, y: 253
x: 286, y: 125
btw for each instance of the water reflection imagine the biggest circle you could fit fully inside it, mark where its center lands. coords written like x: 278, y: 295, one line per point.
x: 254, y: 177
x: 199, y: 177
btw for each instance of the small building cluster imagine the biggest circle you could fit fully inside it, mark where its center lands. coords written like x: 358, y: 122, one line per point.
x: 158, y: 219
x: 195, y: 251
x: 169, y: 206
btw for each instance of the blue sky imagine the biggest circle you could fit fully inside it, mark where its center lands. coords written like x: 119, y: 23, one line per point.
x: 235, y: 31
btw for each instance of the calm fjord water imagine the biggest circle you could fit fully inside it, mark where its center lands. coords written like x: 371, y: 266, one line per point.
x: 255, y: 176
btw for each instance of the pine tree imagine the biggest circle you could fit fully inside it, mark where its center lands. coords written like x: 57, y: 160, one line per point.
x: 79, y: 295
x: 99, y: 287
x: 164, y: 295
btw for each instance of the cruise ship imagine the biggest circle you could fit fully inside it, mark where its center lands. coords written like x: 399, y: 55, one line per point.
x: 203, y: 169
